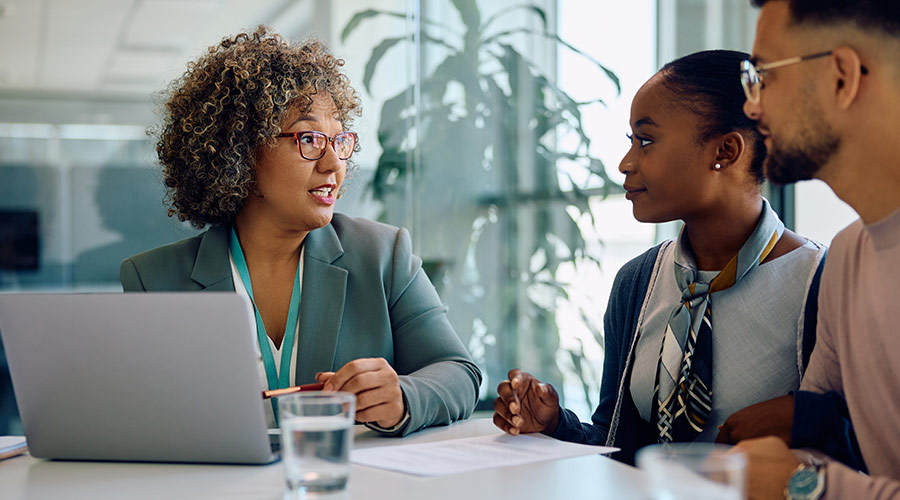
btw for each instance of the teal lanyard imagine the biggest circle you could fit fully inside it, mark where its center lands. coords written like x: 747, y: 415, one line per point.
x: 287, y: 344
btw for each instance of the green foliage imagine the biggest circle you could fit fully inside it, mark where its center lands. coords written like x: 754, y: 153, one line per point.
x: 486, y: 116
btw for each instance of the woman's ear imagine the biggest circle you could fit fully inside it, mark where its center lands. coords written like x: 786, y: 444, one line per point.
x: 730, y: 149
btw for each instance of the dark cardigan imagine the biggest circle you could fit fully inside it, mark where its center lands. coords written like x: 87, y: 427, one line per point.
x: 620, y: 324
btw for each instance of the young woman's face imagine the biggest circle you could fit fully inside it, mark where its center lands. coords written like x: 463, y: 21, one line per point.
x: 300, y: 193
x: 666, y: 170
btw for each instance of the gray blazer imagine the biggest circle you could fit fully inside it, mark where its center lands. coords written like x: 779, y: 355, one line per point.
x: 372, y: 301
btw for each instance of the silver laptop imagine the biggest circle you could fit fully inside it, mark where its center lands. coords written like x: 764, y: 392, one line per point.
x: 159, y: 377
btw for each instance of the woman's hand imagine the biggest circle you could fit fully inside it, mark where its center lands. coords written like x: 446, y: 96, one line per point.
x: 379, y: 398
x: 525, y: 404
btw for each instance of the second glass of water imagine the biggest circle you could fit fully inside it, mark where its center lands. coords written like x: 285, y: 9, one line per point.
x: 694, y: 471
x: 316, y: 438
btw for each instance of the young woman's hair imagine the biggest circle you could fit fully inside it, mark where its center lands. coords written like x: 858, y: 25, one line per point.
x: 709, y: 84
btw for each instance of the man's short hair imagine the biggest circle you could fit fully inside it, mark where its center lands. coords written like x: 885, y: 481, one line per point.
x: 883, y: 15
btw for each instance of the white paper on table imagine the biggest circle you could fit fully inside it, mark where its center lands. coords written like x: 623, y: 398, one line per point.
x: 453, y: 456
x: 11, y: 446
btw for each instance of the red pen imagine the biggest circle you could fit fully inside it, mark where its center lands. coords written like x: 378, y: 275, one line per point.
x: 290, y: 390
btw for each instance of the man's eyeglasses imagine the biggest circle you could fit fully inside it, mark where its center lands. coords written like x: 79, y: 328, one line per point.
x: 312, y: 144
x: 752, y: 74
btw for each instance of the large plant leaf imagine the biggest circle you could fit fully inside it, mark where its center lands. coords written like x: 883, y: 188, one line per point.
x: 609, y: 73
x: 501, y: 106
x: 471, y: 16
x: 597, y: 168
x: 533, y: 8
x: 475, y: 137
x: 391, y: 164
x: 513, y: 63
x: 377, y: 53
x: 558, y: 117
x: 568, y: 112
x: 585, y: 372
x: 457, y: 67
x: 437, y: 41
x: 361, y: 16
x: 393, y: 123
x: 517, y: 67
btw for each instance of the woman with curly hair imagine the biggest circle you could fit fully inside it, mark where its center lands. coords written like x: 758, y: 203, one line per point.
x: 255, y: 144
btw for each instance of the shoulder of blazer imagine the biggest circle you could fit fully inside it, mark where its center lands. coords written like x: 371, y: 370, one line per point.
x: 200, y: 259
x: 363, y: 238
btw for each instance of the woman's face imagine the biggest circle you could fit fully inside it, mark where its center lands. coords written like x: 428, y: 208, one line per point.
x: 666, y: 171
x: 298, y: 193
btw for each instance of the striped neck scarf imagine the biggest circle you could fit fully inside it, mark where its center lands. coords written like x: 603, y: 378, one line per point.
x: 683, y: 389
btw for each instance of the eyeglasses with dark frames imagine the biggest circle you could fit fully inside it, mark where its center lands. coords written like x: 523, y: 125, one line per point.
x: 312, y: 143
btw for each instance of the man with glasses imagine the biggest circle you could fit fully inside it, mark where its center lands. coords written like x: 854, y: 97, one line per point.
x: 824, y: 86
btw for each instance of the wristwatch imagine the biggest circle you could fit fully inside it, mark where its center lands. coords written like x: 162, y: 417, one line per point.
x: 806, y: 483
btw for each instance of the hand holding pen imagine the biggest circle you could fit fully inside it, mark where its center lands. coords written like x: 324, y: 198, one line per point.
x: 379, y: 398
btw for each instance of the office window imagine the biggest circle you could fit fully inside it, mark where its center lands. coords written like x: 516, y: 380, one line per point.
x: 95, y: 200
x: 819, y: 214
x: 80, y: 188
x: 520, y: 232
x: 622, y: 36
x: 491, y: 214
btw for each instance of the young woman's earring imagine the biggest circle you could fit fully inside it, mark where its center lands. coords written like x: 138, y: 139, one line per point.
x: 718, y: 166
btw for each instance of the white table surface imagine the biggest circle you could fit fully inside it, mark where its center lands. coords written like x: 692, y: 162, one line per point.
x: 590, y: 477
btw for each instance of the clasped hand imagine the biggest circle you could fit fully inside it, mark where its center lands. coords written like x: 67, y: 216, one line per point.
x: 525, y: 404
x: 768, y: 418
x: 376, y: 385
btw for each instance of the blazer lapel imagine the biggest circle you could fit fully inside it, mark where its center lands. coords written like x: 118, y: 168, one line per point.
x: 321, y: 304
x: 212, y: 269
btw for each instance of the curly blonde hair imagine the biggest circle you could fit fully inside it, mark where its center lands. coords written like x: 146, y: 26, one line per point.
x: 229, y: 103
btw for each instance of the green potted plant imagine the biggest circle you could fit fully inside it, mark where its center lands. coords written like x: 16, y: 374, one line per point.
x: 472, y: 147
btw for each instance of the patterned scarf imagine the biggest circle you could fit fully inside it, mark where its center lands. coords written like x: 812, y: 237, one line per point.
x: 683, y: 389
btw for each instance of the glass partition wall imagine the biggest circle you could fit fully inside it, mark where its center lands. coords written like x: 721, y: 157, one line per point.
x: 499, y: 156
x: 491, y: 130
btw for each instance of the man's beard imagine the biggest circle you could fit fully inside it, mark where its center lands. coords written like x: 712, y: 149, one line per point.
x: 816, y: 144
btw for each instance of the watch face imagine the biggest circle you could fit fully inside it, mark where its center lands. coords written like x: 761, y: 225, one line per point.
x: 803, y: 483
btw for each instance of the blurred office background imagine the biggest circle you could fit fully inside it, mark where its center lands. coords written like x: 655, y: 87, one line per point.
x: 492, y: 130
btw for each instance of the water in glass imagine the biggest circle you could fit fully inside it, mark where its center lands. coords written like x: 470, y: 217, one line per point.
x: 316, y: 452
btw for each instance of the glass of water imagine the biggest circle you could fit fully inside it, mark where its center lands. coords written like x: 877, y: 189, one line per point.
x: 694, y: 471
x: 316, y: 438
